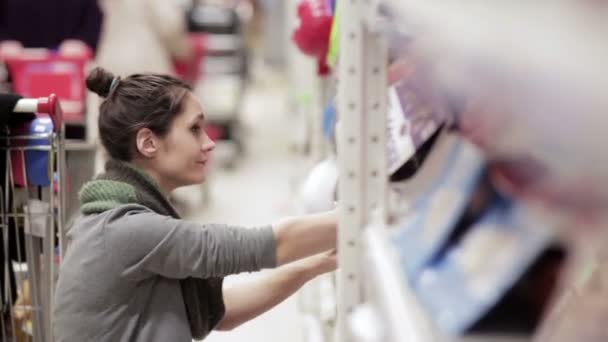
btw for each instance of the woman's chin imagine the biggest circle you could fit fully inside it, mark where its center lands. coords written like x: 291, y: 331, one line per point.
x: 193, y: 178
x: 199, y: 178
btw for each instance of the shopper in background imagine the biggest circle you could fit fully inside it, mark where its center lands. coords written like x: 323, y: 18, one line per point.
x: 135, y: 271
x: 142, y: 36
x: 47, y: 23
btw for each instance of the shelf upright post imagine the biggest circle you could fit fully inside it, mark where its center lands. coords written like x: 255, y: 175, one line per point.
x: 361, y: 153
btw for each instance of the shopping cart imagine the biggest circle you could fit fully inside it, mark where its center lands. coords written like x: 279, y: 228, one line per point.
x: 37, y: 72
x: 31, y: 215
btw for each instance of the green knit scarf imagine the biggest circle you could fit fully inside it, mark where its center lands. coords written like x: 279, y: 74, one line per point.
x: 124, y: 183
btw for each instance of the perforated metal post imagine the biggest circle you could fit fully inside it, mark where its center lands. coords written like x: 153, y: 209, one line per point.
x: 361, y: 130
x: 350, y: 161
x: 375, y: 97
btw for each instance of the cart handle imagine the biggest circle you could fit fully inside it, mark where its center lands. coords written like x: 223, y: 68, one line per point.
x: 47, y: 105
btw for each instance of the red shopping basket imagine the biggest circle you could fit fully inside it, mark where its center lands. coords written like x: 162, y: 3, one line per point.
x: 37, y: 73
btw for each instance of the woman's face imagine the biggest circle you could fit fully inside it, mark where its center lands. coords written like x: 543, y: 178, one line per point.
x: 183, y: 154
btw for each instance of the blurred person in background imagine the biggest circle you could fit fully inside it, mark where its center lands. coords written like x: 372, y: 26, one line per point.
x: 48, y: 23
x: 142, y: 36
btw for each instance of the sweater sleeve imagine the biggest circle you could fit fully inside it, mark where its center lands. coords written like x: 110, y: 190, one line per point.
x: 145, y: 243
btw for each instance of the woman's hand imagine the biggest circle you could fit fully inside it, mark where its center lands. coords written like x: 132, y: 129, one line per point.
x: 272, y: 288
x: 323, y: 263
x: 300, y: 237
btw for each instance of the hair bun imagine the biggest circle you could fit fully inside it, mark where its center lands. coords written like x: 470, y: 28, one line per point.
x: 99, y: 81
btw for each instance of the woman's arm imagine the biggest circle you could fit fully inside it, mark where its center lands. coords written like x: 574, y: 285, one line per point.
x: 145, y: 243
x: 246, y: 302
x: 303, y: 236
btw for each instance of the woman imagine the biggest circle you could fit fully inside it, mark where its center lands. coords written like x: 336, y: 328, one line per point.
x: 135, y: 271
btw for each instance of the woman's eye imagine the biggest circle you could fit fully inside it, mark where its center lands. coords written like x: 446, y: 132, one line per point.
x: 195, y: 129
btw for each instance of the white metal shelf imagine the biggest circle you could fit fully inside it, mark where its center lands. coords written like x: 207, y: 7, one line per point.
x: 403, y: 316
x: 520, y: 46
x: 360, y: 137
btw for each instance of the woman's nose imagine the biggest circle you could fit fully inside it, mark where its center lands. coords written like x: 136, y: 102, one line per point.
x: 208, y: 143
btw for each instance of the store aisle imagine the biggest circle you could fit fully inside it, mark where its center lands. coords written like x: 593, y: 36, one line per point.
x: 256, y: 192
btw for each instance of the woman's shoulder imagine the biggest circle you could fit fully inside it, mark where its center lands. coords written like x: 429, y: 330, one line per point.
x: 132, y: 219
x: 128, y: 209
x: 130, y: 214
x: 112, y: 216
x: 93, y: 225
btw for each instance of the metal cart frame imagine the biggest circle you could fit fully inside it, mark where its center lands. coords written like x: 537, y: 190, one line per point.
x: 44, y: 249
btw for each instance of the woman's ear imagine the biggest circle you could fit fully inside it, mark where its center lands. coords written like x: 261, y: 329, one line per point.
x: 147, y: 143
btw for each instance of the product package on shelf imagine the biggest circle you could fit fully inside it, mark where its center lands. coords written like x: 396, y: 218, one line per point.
x: 454, y: 172
x: 31, y: 166
x: 39, y: 163
x: 424, y: 168
x: 497, y: 278
x: 329, y: 122
x: 415, y: 114
x: 318, y: 191
x: 312, y: 35
x: 399, y: 147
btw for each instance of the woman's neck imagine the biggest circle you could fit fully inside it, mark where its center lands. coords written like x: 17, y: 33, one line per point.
x: 165, y: 186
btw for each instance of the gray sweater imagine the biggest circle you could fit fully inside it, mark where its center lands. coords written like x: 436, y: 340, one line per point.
x: 119, y: 280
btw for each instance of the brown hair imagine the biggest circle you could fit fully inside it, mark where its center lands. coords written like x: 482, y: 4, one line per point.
x: 139, y: 101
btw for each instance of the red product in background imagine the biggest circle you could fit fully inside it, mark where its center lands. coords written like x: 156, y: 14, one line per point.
x: 214, y: 132
x: 39, y: 72
x: 190, y: 70
x: 312, y: 35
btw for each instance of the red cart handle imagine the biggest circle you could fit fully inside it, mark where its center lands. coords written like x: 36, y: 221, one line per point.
x: 46, y: 105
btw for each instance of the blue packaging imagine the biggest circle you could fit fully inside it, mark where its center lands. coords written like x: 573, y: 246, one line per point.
x: 329, y: 121
x: 37, y: 162
x: 436, y: 212
x: 460, y: 289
